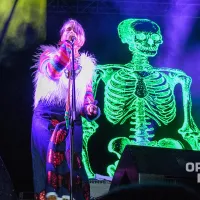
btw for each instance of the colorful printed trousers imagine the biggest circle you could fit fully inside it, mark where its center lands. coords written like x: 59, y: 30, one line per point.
x: 50, y: 146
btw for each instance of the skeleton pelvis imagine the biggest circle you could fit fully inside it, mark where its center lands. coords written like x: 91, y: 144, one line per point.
x: 170, y: 143
x: 118, y: 144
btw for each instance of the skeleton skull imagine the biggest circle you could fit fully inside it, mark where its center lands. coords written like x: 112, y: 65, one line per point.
x: 142, y: 35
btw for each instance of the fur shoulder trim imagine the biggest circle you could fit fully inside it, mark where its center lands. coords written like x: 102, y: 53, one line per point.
x: 87, y: 62
x: 86, y: 55
x: 55, y: 92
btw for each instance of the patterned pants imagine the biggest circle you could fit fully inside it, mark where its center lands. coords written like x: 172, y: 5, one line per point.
x: 51, y: 155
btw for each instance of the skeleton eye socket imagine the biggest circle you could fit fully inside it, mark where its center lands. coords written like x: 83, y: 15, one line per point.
x: 141, y: 36
x: 155, y: 37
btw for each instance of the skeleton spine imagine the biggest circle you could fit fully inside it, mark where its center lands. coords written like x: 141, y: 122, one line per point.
x: 141, y: 136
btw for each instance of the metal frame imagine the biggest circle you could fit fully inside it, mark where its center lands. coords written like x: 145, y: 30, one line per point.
x: 125, y: 7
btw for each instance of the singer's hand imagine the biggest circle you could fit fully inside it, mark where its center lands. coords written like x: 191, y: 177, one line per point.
x: 66, y: 45
x: 92, y: 110
x: 71, y: 37
x: 71, y: 40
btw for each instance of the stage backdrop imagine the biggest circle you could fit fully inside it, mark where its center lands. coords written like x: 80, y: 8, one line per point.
x: 146, y: 83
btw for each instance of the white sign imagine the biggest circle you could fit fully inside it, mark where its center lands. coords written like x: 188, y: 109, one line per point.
x: 193, y: 167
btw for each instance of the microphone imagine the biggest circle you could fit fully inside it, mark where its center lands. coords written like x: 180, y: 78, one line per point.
x: 73, y: 38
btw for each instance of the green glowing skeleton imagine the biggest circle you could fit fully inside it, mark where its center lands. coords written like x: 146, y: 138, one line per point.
x: 141, y: 93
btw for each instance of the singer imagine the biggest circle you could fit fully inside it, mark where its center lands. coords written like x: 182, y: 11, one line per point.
x: 52, y: 99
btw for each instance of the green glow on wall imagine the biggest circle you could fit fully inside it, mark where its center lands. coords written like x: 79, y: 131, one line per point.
x: 27, y: 16
x: 141, y: 93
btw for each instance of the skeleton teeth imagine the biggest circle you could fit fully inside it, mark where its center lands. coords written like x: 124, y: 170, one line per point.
x: 144, y: 48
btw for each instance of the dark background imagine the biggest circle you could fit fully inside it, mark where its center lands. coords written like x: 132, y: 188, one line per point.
x: 180, y: 27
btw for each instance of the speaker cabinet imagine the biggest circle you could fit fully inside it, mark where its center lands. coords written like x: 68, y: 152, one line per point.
x: 141, y: 164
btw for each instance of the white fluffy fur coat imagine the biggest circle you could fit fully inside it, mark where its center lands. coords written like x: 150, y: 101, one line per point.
x: 55, y: 92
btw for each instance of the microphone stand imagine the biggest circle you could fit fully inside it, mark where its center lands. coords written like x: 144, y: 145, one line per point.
x: 72, y: 118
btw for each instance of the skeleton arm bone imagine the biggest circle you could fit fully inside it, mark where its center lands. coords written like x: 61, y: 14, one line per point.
x: 101, y: 72
x: 189, y: 128
x: 90, y: 127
